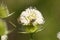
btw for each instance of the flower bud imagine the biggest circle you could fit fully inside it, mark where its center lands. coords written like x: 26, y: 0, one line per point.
x: 3, y: 11
x: 3, y: 27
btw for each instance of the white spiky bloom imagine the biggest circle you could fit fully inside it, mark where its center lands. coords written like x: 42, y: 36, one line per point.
x: 30, y: 14
x: 58, y: 35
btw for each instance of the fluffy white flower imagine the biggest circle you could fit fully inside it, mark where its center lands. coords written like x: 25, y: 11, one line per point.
x: 58, y: 35
x: 31, y: 15
x: 4, y: 37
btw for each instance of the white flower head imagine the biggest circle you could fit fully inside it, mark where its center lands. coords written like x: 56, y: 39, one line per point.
x: 58, y: 35
x: 4, y: 37
x: 31, y: 15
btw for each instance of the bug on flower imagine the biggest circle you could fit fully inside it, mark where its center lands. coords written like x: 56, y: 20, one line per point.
x: 31, y: 18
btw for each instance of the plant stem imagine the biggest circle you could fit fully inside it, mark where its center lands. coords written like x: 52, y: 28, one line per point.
x: 31, y: 36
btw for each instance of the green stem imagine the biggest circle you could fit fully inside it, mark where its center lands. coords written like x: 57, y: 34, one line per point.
x: 12, y: 24
x: 31, y: 36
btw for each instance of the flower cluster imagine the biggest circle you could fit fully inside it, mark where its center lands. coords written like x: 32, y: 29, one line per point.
x: 31, y: 19
x: 31, y: 15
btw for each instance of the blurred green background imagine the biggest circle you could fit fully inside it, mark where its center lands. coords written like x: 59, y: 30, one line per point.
x: 50, y: 9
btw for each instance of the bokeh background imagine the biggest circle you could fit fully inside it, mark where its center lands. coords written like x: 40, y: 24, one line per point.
x: 50, y: 9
